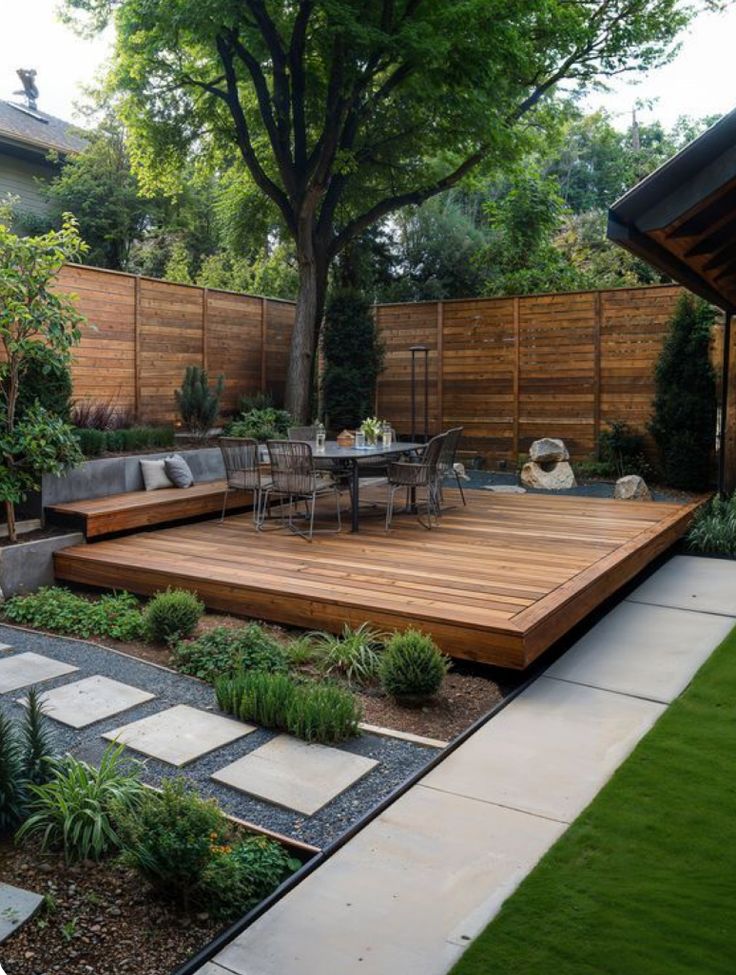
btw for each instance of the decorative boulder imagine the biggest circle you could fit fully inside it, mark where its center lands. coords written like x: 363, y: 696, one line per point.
x: 557, y: 478
x: 548, y: 451
x: 632, y: 488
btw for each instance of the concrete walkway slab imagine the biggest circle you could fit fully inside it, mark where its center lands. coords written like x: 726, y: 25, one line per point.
x: 643, y: 650
x: 180, y: 734
x: 291, y: 773
x: 25, y: 669
x: 84, y: 702
x: 690, y: 582
x: 404, y: 896
x: 550, y: 751
x: 16, y: 907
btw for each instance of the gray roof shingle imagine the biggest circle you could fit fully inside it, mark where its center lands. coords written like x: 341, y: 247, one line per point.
x: 37, y: 129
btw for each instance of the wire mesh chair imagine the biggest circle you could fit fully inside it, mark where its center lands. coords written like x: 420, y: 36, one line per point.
x: 243, y: 473
x: 294, y: 477
x: 446, y: 462
x: 411, y: 476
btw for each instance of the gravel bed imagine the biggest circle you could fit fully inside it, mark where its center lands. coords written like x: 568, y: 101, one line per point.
x: 588, y: 489
x: 398, y: 760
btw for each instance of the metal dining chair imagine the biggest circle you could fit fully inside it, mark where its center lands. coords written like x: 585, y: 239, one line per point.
x: 295, y: 478
x: 243, y: 473
x: 446, y: 463
x: 414, y: 475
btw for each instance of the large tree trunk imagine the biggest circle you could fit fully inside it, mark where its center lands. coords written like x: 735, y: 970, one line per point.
x: 310, y: 304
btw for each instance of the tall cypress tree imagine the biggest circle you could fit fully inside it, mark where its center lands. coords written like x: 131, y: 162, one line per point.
x: 684, y: 420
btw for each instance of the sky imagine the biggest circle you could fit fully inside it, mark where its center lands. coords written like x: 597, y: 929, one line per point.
x: 699, y: 82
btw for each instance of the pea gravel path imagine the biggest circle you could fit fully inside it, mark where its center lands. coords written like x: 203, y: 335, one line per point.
x: 397, y: 760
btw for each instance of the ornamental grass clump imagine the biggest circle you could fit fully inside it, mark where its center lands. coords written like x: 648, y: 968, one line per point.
x: 172, y: 615
x: 714, y: 527
x: 25, y: 755
x: 354, y: 654
x: 78, y: 809
x: 313, y: 712
x: 412, y: 667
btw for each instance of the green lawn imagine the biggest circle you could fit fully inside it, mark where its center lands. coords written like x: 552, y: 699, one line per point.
x: 644, y: 881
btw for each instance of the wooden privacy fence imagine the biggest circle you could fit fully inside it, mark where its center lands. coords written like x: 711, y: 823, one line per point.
x: 142, y: 333
x: 511, y: 370
x: 508, y: 370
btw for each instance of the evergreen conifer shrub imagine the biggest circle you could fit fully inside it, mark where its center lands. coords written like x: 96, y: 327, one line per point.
x: 684, y: 420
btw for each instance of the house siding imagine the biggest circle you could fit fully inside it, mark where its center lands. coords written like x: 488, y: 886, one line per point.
x: 18, y: 177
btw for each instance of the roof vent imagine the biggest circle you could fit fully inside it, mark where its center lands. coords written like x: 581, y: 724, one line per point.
x: 30, y: 89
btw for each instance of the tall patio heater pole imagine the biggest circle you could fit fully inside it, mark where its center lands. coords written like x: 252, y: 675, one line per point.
x: 414, y: 349
x: 723, y: 440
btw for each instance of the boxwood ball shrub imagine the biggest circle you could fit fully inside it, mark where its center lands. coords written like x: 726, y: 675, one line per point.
x: 172, y: 615
x: 229, y: 650
x: 412, y: 667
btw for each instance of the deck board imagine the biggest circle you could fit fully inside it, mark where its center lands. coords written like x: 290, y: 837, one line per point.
x: 499, y: 582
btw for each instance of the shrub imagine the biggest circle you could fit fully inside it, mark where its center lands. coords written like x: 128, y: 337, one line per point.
x: 261, y: 425
x: 78, y: 808
x: 714, y: 527
x: 301, y: 650
x: 170, y: 839
x: 313, y: 712
x: 621, y: 449
x: 412, y: 666
x: 226, y: 650
x: 88, y: 414
x: 61, y: 611
x: 92, y: 442
x: 241, y: 876
x: 255, y: 401
x: 172, y: 615
x: 25, y: 753
x: 354, y: 653
x: 199, y: 405
x: 684, y: 420
x: 353, y: 359
x: 323, y: 713
x: 47, y: 379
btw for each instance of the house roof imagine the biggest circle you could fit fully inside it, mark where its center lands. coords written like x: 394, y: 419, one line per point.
x: 32, y: 129
x: 682, y: 218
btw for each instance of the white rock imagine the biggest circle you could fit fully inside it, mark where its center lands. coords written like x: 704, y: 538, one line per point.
x: 632, y: 488
x: 505, y: 488
x: 460, y: 471
x: 558, y: 477
x: 547, y: 451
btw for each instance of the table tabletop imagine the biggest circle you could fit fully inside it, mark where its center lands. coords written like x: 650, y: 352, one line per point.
x: 333, y: 450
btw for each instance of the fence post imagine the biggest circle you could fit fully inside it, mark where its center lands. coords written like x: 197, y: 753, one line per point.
x: 440, y: 365
x: 137, y: 346
x: 517, y: 362
x: 264, y: 333
x: 597, y: 323
x: 205, y: 315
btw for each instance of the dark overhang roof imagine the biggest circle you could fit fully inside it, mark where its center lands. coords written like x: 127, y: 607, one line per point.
x: 682, y: 218
x: 37, y: 131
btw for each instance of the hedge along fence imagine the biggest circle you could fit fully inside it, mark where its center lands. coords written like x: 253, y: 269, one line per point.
x: 141, y: 333
x: 512, y: 370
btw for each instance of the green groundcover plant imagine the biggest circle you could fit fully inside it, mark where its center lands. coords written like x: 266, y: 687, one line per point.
x: 57, y: 609
x: 230, y: 650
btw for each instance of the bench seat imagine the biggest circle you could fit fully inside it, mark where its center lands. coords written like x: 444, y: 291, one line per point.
x: 139, y: 509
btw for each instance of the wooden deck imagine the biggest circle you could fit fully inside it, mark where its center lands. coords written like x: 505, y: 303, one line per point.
x: 499, y: 582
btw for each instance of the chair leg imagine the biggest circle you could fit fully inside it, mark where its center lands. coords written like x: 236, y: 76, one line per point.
x: 337, y: 507
x: 224, y: 503
x: 460, y: 486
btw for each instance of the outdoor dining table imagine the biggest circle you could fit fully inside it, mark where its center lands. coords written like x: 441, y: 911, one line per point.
x: 348, y: 457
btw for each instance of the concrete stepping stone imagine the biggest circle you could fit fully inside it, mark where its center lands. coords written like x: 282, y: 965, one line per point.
x: 643, y: 650
x: 83, y: 702
x: 692, y: 582
x: 16, y: 907
x: 403, y: 897
x: 550, y: 751
x: 179, y: 734
x: 290, y: 773
x: 24, y: 669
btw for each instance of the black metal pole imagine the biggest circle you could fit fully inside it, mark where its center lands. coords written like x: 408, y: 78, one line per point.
x: 724, y: 403
x: 413, y: 397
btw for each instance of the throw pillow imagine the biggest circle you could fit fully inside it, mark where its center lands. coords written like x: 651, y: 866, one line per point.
x: 178, y: 471
x: 154, y: 475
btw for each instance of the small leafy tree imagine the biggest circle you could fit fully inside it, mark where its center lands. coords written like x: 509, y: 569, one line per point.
x: 198, y: 404
x: 33, y: 316
x: 353, y: 359
x: 684, y: 420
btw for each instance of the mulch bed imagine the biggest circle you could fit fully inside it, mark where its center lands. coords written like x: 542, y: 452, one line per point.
x: 99, y: 919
